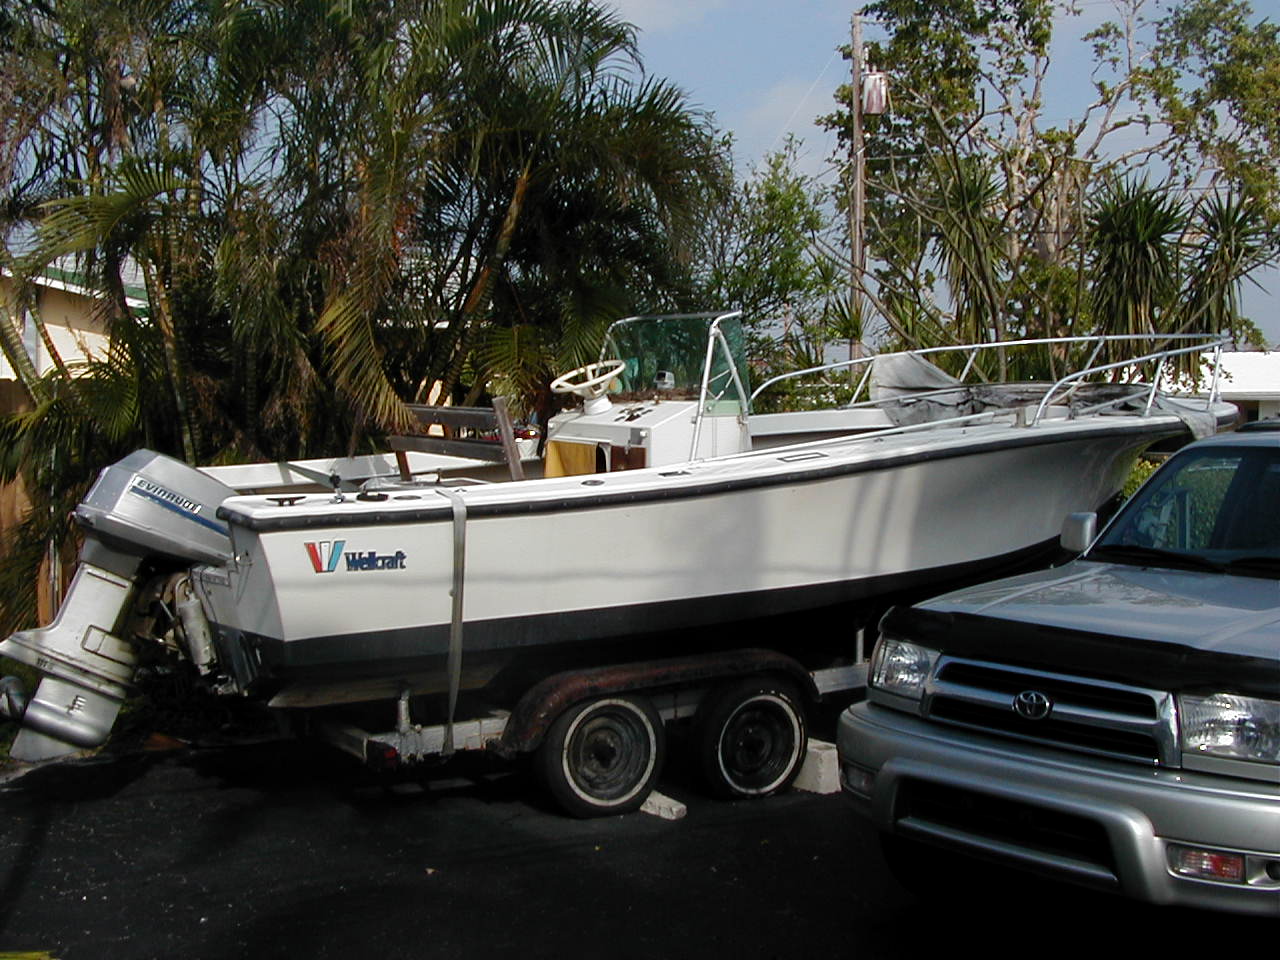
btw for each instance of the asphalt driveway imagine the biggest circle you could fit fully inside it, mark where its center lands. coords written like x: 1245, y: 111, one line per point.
x: 280, y: 850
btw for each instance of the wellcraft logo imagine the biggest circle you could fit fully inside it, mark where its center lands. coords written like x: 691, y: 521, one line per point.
x: 325, y: 556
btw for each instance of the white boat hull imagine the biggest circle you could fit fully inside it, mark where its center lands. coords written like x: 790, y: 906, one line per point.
x: 340, y: 590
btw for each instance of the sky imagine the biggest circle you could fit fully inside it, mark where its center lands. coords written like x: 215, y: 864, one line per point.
x: 768, y: 69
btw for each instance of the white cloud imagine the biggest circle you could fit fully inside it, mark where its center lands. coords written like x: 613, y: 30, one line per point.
x: 656, y: 16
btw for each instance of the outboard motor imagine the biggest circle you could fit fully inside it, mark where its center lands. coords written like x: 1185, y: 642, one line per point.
x: 148, y: 507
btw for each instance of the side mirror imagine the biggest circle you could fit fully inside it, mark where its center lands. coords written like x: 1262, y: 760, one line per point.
x: 1078, y: 531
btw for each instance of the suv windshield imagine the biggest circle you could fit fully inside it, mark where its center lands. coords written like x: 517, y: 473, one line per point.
x: 1216, y: 506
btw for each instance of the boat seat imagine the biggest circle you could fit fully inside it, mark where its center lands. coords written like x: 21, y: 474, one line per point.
x: 454, y: 420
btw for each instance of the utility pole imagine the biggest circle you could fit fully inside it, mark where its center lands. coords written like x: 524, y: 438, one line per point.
x: 858, y: 193
x: 857, y: 171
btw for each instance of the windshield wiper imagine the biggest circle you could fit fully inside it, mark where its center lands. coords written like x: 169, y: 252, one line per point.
x: 1132, y: 553
x: 1265, y: 565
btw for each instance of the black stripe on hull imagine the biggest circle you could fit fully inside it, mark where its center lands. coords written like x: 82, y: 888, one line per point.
x: 814, y: 624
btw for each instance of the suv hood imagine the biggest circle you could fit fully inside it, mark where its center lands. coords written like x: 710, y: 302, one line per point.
x: 1180, y: 628
x: 1210, y: 611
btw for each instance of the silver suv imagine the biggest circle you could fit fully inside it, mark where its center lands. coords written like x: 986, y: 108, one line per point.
x: 1114, y: 722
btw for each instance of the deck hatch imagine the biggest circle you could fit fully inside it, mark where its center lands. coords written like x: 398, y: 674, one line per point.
x: 801, y: 457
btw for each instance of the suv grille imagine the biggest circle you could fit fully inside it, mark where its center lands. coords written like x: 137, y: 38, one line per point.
x: 1091, y: 716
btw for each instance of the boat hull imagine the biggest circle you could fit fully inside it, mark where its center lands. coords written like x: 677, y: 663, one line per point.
x: 364, y: 589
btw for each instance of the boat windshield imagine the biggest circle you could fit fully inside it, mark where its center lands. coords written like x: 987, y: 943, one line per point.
x: 1217, y: 507
x: 666, y: 357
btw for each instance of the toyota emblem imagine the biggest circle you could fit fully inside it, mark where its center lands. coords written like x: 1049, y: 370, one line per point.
x: 1032, y: 705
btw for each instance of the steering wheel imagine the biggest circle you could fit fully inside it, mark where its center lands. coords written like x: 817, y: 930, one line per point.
x: 595, y: 383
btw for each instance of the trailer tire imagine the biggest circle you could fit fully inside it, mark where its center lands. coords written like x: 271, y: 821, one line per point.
x: 602, y: 756
x: 749, y: 738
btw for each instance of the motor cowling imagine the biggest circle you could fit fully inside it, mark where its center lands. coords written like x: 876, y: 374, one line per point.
x: 149, y: 504
x: 147, y: 510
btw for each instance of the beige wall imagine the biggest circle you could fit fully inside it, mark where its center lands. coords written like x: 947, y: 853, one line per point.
x: 73, y: 326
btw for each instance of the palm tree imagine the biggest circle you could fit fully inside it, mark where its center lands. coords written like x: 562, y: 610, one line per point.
x: 970, y: 244
x: 1134, y: 237
x: 575, y: 170
x: 464, y: 133
x: 1231, y: 238
x: 331, y: 206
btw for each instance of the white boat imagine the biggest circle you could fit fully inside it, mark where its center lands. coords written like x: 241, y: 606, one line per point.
x: 665, y: 517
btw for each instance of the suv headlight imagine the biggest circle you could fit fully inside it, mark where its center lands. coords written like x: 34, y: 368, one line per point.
x: 1224, y: 725
x: 901, y: 668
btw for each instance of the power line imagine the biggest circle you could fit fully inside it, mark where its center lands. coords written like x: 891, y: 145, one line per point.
x: 813, y: 86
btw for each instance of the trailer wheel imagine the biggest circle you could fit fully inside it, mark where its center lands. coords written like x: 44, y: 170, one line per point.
x: 749, y: 738
x: 602, y: 756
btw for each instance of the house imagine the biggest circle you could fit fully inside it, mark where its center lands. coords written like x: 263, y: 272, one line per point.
x: 71, y: 314
x: 1251, y: 380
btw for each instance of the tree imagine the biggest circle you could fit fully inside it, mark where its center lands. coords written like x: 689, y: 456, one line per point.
x: 1237, y: 240
x: 973, y: 191
x: 1214, y: 77
x: 598, y: 177
x: 331, y: 206
x: 768, y: 249
x: 1134, y: 232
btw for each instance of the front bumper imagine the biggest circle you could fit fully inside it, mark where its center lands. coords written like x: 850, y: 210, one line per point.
x: 1103, y: 823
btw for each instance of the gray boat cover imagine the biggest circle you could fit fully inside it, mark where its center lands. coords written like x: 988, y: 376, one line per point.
x: 925, y: 392
x: 912, y: 390
x: 1201, y: 423
x: 904, y: 374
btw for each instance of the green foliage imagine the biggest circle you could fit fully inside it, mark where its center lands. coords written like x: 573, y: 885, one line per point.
x: 1142, y: 469
x: 1030, y: 227
x: 760, y: 256
x: 1235, y: 240
x: 331, y: 207
x: 1134, y: 233
x: 768, y: 249
x: 1215, y: 77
